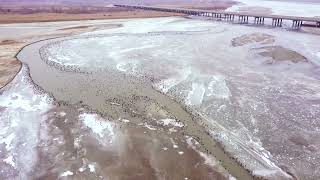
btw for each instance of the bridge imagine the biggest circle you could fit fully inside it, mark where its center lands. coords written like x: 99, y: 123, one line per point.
x: 242, y: 18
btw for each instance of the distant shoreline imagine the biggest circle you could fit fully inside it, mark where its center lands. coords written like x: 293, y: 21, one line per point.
x: 57, y: 17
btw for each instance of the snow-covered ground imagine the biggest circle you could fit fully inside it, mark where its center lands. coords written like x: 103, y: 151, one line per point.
x: 23, y: 110
x: 288, y: 8
x: 266, y: 114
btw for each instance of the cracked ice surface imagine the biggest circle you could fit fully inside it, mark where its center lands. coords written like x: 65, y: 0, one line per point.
x: 22, y: 111
x: 266, y: 115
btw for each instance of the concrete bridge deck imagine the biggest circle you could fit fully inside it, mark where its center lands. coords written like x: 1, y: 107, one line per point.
x: 243, y: 18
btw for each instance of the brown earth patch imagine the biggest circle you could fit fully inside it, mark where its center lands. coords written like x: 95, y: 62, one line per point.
x: 15, y: 62
x: 8, y: 42
x: 279, y: 53
x: 76, y: 27
x: 8, y: 68
x: 252, y: 38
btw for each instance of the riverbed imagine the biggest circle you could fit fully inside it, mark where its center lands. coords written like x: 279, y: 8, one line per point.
x: 231, y: 90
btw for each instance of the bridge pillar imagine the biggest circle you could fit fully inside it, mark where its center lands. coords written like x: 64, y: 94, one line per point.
x: 240, y: 19
x: 276, y: 22
x: 243, y: 19
x: 229, y: 17
x: 296, y: 24
x: 226, y: 17
x: 259, y: 20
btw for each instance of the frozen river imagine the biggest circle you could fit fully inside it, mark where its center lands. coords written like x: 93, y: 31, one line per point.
x: 279, y: 7
x: 162, y: 91
x: 256, y: 90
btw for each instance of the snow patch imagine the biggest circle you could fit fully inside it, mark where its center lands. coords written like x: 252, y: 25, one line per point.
x: 150, y: 127
x: 172, y: 122
x: 62, y: 114
x: 23, y: 113
x: 266, y: 173
x: 195, y: 96
x: 8, y: 141
x: 218, y: 88
x: 125, y: 120
x: 174, y: 145
x: 208, y: 160
x: 123, y: 67
x: 166, y: 84
x: 9, y: 160
x: 66, y: 173
x: 91, y: 168
x: 97, y: 124
x: 82, y: 169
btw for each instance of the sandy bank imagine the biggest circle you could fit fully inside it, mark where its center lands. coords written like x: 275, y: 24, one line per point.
x: 53, y: 17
